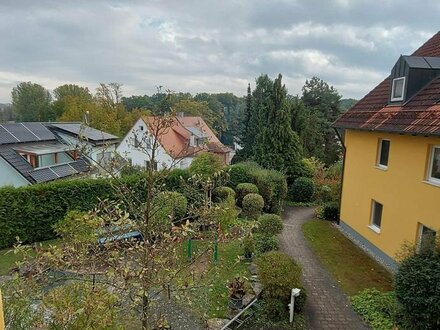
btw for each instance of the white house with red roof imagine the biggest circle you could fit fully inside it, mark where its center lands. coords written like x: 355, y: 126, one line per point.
x: 175, y: 140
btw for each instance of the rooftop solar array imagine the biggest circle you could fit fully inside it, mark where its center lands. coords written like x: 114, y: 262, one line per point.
x: 24, y: 132
x: 59, y: 171
x: 420, y: 62
x: 86, y: 131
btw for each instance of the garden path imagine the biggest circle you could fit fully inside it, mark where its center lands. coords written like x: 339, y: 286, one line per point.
x: 327, y: 307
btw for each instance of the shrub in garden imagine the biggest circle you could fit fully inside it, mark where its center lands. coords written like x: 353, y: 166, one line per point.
x: 168, y: 206
x: 223, y: 214
x: 329, y: 211
x: 278, y: 274
x: 206, y: 164
x: 302, y: 190
x: 270, y: 224
x: 265, y: 243
x: 248, y: 246
x: 238, y: 173
x: 244, y: 189
x: 176, y: 179
x: 252, y: 205
x: 417, y: 287
x: 222, y: 194
x: 376, y: 308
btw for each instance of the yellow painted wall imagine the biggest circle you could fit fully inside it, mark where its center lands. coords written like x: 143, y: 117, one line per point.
x: 406, y: 197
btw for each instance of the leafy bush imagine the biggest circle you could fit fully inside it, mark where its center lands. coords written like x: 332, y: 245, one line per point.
x: 279, y: 274
x: 223, y: 214
x: 206, y: 164
x: 417, y: 287
x: 302, y: 190
x: 244, y: 189
x: 167, y: 207
x: 270, y: 224
x: 30, y: 212
x: 376, y: 308
x: 329, y: 211
x: 176, y: 179
x: 252, y: 205
x: 248, y: 245
x: 271, y: 184
x: 222, y: 194
x: 265, y: 243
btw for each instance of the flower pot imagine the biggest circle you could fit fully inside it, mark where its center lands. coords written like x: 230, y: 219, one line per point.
x: 235, y: 303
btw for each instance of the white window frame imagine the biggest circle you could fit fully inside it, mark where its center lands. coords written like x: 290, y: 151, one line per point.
x: 431, y: 164
x: 392, y: 89
x: 378, y: 164
x: 420, y: 235
x: 372, y: 225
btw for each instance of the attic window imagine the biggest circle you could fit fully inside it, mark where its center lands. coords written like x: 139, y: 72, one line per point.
x: 397, y: 90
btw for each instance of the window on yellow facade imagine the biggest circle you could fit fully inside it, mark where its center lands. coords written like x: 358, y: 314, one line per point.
x: 426, y: 239
x: 383, y: 154
x: 434, y: 165
x: 376, y: 216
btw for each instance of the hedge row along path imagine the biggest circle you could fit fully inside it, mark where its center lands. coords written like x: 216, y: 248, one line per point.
x: 327, y: 307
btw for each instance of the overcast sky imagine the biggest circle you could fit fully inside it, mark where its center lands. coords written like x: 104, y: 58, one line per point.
x: 208, y: 46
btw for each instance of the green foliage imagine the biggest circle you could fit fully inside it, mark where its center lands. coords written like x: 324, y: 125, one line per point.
x: 302, y: 190
x: 253, y: 205
x: 378, y: 309
x: 248, y: 245
x: 223, y: 214
x: 329, y: 211
x: 417, y: 287
x: 77, y: 226
x: 168, y: 206
x: 243, y: 189
x: 270, y: 224
x: 31, y: 102
x: 176, y: 179
x: 279, y: 274
x: 265, y: 243
x: 274, y: 309
x: 222, y: 193
x: 206, y: 164
x: 30, y: 212
x: 238, y: 173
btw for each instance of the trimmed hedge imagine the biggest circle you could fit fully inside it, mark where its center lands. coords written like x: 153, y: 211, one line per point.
x: 302, y: 190
x: 30, y: 212
x: 223, y: 194
x: 272, y: 185
x: 270, y: 224
x: 265, y: 243
x: 176, y: 179
x: 244, y: 189
x: 253, y: 205
x: 329, y: 211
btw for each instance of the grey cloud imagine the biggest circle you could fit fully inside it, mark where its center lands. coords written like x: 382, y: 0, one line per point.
x: 210, y: 46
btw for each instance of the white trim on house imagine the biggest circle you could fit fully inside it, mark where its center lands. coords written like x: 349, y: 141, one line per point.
x: 399, y: 98
x: 429, y: 178
x: 373, y: 226
x: 379, y: 154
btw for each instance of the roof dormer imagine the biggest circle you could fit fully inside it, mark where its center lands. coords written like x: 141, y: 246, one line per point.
x: 410, y: 74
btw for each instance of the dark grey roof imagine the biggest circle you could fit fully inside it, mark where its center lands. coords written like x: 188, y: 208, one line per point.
x: 420, y: 62
x: 89, y: 133
x: 24, y: 132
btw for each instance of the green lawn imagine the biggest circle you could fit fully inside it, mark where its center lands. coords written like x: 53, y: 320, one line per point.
x: 210, y: 297
x: 353, y: 269
x: 8, y: 258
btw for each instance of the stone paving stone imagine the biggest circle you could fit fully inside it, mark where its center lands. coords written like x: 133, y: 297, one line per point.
x: 327, y: 307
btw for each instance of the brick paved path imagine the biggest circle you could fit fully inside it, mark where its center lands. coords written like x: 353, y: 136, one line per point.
x: 327, y: 306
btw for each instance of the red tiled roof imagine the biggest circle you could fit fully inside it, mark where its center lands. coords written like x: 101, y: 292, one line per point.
x: 420, y: 115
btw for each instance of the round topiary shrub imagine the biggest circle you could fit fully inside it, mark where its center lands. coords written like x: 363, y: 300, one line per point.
x: 167, y: 207
x: 302, y: 190
x: 329, y: 211
x: 278, y: 274
x: 206, y: 164
x: 417, y: 287
x: 252, y: 205
x: 244, y: 189
x: 270, y: 224
x: 223, y: 194
x: 265, y: 243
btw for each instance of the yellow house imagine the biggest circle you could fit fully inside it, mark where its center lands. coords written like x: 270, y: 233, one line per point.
x: 391, y: 180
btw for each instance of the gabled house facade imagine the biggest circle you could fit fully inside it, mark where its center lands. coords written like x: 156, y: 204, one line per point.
x: 40, y: 152
x: 178, y: 141
x: 391, y: 179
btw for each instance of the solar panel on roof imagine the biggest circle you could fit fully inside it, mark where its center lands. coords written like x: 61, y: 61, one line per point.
x: 86, y: 131
x: 80, y: 165
x: 6, y: 137
x: 434, y: 62
x: 20, y: 132
x: 63, y: 170
x: 43, y: 175
x: 417, y: 62
x: 40, y: 130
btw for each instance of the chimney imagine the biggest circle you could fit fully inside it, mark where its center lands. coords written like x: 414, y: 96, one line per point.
x: 180, y: 114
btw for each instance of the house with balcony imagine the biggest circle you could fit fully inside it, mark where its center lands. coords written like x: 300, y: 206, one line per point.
x: 391, y: 179
x: 174, y: 142
x: 40, y: 152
